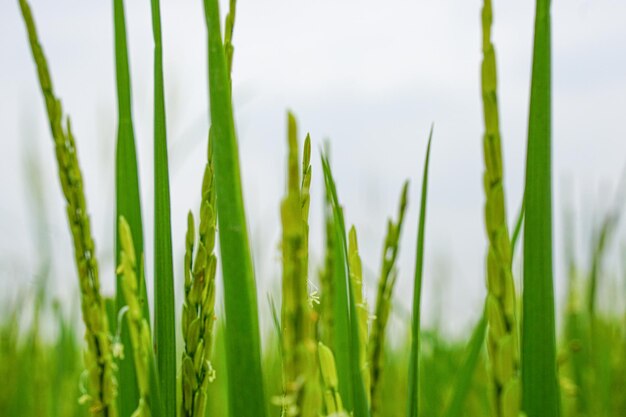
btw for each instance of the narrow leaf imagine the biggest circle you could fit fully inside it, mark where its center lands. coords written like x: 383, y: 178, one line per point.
x: 413, y: 401
x: 164, y: 314
x: 346, y: 326
x: 240, y: 300
x: 463, y: 381
x: 127, y: 200
x: 540, y: 394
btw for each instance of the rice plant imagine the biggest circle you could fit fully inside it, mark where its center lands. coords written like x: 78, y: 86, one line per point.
x: 331, y: 351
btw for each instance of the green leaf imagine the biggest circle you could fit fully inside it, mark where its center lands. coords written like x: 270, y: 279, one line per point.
x: 466, y: 371
x: 240, y: 300
x: 540, y: 393
x: 413, y: 401
x: 518, y: 227
x: 127, y: 200
x: 164, y: 314
x: 346, y: 326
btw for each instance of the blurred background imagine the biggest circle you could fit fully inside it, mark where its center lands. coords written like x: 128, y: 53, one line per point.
x: 370, y: 77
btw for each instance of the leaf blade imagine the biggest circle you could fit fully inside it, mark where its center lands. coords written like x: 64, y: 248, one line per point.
x: 413, y: 402
x: 240, y: 302
x: 346, y: 331
x: 127, y: 199
x: 164, y: 313
x: 540, y: 394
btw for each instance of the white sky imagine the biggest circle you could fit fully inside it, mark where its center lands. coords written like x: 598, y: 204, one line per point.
x: 370, y: 76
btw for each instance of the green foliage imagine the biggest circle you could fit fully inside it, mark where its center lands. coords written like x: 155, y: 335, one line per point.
x: 138, y: 329
x: 346, y: 325
x: 242, y: 329
x: 467, y: 369
x: 297, y: 321
x: 127, y: 199
x: 98, y: 358
x: 413, y: 384
x: 199, y: 306
x: 384, y: 297
x: 164, y: 310
x: 322, y: 357
x: 540, y: 391
x: 502, y: 335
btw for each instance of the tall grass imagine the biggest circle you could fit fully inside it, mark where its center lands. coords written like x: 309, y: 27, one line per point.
x: 414, y: 376
x: 346, y: 335
x: 384, y: 296
x: 243, y: 351
x: 329, y: 354
x: 301, y: 394
x: 127, y: 198
x: 164, y: 310
x: 540, y: 392
x: 502, y: 337
x: 98, y: 356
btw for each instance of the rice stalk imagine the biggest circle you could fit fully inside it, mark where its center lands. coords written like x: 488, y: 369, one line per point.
x: 332, y: 398
x: 138, y: 328
x: 297, y: 335
x: 503, y: 338
x: 198, y: 315
x: 386, y: 282
x: 98, y: 356
x: 229, y: 49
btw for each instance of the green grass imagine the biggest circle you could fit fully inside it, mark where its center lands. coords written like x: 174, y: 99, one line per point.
x: 127, y: 198
x: 540, y: 391
x: 346, y: 327
x: 243, y: 347
x: 328, y: 353
x: 164, y: 306
x: 414, y: 375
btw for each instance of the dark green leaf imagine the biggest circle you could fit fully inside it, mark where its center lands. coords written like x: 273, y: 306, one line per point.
x: 540, y: 393
x: 246, y: 393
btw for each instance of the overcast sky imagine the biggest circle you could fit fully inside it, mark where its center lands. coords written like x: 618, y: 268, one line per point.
x: 369, y: 76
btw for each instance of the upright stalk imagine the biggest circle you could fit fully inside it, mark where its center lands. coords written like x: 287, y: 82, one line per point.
x: 98, y: 356
x: 502, y: 337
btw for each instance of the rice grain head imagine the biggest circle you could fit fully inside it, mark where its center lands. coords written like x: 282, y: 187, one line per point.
x: 198, y: 315
x: 502, y: 339
x: 98, y: 356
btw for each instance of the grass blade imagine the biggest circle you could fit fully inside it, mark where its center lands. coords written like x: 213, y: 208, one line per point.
x: 466, y: 371
x: 346, y: 326
x: 413, y: 399
x: 164, y: 314
x: 540, y: 394
x: 127, y: 200
x: 240, y: 301
x: 518, y: 228
x: 326, y: 278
